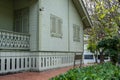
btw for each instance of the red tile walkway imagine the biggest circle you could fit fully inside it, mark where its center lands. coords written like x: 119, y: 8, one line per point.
x: 45, y: 75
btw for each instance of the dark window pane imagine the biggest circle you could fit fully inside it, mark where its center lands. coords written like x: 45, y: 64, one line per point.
x: 88, y: 56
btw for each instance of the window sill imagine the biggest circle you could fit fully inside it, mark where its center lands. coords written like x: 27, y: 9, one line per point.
x: 76, y: 40
x: 56, y: 35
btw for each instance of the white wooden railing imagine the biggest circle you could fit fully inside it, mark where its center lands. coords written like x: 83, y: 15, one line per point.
x: 14, y: 40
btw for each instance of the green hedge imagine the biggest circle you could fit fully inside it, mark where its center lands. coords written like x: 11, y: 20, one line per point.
x: 105, y: 71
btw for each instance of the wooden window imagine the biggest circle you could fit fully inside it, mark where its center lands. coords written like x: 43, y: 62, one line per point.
x: 21, y: 23
x: 76, y: 33
x: 56, y: 26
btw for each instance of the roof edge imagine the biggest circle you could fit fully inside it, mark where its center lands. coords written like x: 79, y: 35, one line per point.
x: 79, y: 4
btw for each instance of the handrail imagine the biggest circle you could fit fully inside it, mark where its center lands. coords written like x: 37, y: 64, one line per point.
x: 2, y: 30
x: 14, y: 40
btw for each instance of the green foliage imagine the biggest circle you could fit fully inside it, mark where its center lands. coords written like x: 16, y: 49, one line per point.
x: 92, y: 42
x: 105, y: 71
x: 106, y: 22
x: 92, y: 47
x: 109, y: 43
x: 106, y: 17
x: 111, y: 46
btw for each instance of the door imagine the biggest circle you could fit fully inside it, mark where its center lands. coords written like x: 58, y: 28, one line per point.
x: 21, y: 23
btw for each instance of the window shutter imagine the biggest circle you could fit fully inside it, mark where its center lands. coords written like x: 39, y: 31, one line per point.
x: 56, y: 26
x: 76, y: 33
x: 53, y: 24
x: 59, y: 29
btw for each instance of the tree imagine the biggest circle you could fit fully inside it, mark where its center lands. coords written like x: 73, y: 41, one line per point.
x: 105, y: 20
x: 111, y: 47
x: 92, y: 43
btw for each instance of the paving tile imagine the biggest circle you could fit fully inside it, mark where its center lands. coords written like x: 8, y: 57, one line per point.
x: 45, y: 75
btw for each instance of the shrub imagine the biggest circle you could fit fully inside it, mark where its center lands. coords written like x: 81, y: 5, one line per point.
x: 105, y: 71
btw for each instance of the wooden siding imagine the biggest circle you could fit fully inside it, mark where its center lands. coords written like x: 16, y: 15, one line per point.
x: 69, y: 15
x: 6, y: 15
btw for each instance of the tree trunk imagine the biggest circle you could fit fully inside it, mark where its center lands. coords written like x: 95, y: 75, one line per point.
x: 101, y: 57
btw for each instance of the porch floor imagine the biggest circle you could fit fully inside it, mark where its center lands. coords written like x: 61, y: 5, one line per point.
x: 45, y: 75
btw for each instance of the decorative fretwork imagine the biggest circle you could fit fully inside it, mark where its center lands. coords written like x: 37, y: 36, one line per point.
x: 14, y: 40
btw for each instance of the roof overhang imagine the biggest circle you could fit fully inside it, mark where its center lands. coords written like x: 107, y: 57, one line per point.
x: 83, y: 13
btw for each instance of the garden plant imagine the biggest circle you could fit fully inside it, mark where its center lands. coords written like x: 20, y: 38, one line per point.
x: 104, y: 71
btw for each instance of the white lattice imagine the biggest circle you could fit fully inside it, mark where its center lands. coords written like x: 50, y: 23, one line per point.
x: 12, y: 40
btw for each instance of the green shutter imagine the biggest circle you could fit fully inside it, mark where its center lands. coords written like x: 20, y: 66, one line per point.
x: 59, y: 26
x: 53, y: 24
x: 76, y: 33
x: 56, y: 26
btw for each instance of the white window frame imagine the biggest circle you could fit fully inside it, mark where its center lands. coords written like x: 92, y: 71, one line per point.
x: 76, y: 33
x: 56, y: 24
